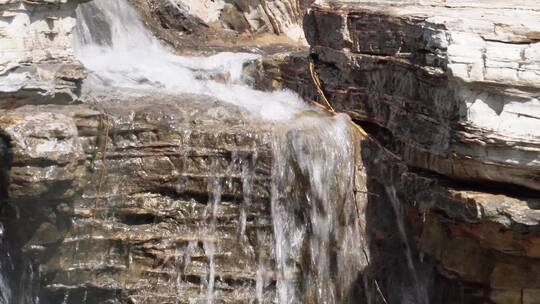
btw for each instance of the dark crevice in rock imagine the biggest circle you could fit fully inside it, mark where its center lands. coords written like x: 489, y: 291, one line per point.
x: 203, y: 198
x: 82, y: 294
x: 380, y: 134
x: 5, y: 165
x: 172, y: 18
x: 387, y: 140
x: 495, y: 188
x: 138, y: 219
x: 42, y: 163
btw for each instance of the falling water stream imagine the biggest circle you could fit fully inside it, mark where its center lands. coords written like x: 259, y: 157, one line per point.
x: 6, y: 267
x: 419, y: 293
x: 317, y: 246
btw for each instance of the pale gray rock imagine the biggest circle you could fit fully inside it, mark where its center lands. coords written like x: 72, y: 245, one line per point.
x: 255, y: 16
x: 37, y: 64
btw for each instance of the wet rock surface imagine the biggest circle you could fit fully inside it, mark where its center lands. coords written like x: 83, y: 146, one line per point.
x: 148, y: 201
x: 465, y: 238
x: 154, y: 199
x: 111, y: 201
x: 125, y: 199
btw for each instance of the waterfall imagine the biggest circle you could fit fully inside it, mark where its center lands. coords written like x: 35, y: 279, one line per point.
x: 316, y: 226
x: 119, y: 52
x: 419, y: 294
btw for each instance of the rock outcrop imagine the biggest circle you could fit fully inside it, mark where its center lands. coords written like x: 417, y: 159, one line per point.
x: 37, y: 64
x: 275, y: 16
x: 115, y: 201
x: 190, y: 25
x: 457, y: 86
x: 156, y: 199
x: 451, y: 87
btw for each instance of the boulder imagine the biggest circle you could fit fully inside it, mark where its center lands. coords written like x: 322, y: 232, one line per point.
x: 245, y: 16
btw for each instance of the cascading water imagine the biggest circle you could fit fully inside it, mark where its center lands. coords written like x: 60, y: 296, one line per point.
x: 317, y: 248
x: 120, y: 53
x: 316, y: 225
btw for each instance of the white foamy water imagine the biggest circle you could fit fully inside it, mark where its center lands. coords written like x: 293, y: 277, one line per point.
x: 316, y: 230
x: 321, y: 250
x: 120, y: 52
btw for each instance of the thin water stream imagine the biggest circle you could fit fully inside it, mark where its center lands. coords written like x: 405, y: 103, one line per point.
x: 6, y: 268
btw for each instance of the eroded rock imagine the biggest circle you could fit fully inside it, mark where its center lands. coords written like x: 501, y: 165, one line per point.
x: 450, y: 87
x: 37, y: 64
x: 455, y: 85
x: 116, y: 200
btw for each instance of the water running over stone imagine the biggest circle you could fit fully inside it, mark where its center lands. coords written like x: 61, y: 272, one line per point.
x: 317, y: 253
x: 114, y: 45
x: 315, y: 216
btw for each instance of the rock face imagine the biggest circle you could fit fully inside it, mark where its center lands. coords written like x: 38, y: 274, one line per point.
x: 452, y: 88
x: 37, y: 64
x: 167, y: 201
x: 464, y: 240
x: 457, y: 88
x: 247, y: 16
x: 127, y: 200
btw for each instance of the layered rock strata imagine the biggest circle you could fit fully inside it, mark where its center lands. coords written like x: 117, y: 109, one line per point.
x: 457, y: 86
x: 127, y: 198
x: 467, y: 243
x: 452, y: 89
x: 112, y: 202
x: 148, y: 201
